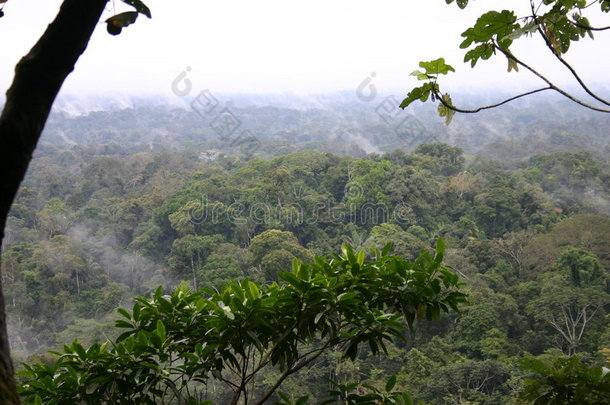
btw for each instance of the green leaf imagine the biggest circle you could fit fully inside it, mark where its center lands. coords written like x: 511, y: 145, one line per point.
x: 346, y: 296
x: 492, y: 25
x: 406, y: 398
x: 164, y: 305
x: 460, y: 3
x: 444, y: 111
x: 512, y: 65
x: 386, y: 249
x: 421, y: 93
x: 483, y: 51
x: 161, y: 330
x: 80, y: 350
x: 289, y: 278
x: 421, y: 75
x: 436, y: 67
x: 527, y: 29
x: 136, y: 312
x: 440, y: 249
x: 124, y: 313
x: 389, y: 386
x: 253, y: 290
x: 360, y: 257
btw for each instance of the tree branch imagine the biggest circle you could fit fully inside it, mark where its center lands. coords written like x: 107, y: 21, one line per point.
x: 291, y: 370
x: 487, y: 107
x: 547, y: 81
x: 587, y: 27
x: 562, y: 60
x: 38, y: 78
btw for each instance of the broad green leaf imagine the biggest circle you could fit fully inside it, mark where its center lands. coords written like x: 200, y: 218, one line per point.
x: 136, y: 312
x: 119, y: 323
x: 161, y: 332
x: 346, y: 296
x: 360, y: 257
x: 441, y: 246
x: 406, y: 398
x: 389, y: 386
x: 436, y: 67
x: 253, y: 290
x: 491, y: 25
x: 421, y: 93
x: 421, y: 75
x: 386, y: 249
x: 124, y: 313
x: 483, y: 51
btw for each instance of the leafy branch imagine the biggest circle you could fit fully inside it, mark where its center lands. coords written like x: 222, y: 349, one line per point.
x: 175, y: 341
x: 495, y: 32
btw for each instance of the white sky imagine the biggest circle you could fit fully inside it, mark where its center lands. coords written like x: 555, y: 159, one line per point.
x: 310, y: 46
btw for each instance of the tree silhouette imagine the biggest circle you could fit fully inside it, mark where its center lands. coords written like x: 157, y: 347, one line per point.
x: 38, y: 78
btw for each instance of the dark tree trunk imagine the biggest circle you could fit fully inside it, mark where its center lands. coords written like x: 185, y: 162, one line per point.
x: 38, y: 78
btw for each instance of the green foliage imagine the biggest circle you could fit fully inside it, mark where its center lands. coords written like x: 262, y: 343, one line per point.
x: 491, y: 27
x: 174, y: 341
x: 444, y: 108
x: 430, y: 89
x: 114, y: 228
x: 560, y: 23
x: 583, y: 266
x: 564, y: 380
x: 352, y: 393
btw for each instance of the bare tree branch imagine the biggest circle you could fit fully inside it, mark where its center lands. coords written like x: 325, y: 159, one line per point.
x: 487, y: 107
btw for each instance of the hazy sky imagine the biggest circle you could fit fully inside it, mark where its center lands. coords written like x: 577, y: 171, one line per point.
x: 259, y: 46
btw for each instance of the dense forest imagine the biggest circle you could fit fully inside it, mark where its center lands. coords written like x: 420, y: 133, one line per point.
x: 119, y: 202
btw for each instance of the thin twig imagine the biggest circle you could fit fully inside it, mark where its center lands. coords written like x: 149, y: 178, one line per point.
x: 547, y: 81
x: 589, y: 28
x: 487, y: 107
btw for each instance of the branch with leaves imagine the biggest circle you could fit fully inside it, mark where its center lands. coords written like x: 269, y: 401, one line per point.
x: 559, y: 23
x: 174, y: 342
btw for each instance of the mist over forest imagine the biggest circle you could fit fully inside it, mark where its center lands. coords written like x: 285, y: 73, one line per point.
x: 126, y: 195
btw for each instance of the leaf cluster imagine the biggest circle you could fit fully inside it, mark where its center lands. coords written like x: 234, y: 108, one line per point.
x: 559, y: 23
x: 565, y: 380
x: 174, y: 341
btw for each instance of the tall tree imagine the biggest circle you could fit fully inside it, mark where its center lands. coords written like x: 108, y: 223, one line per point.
x: 38, y: 78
